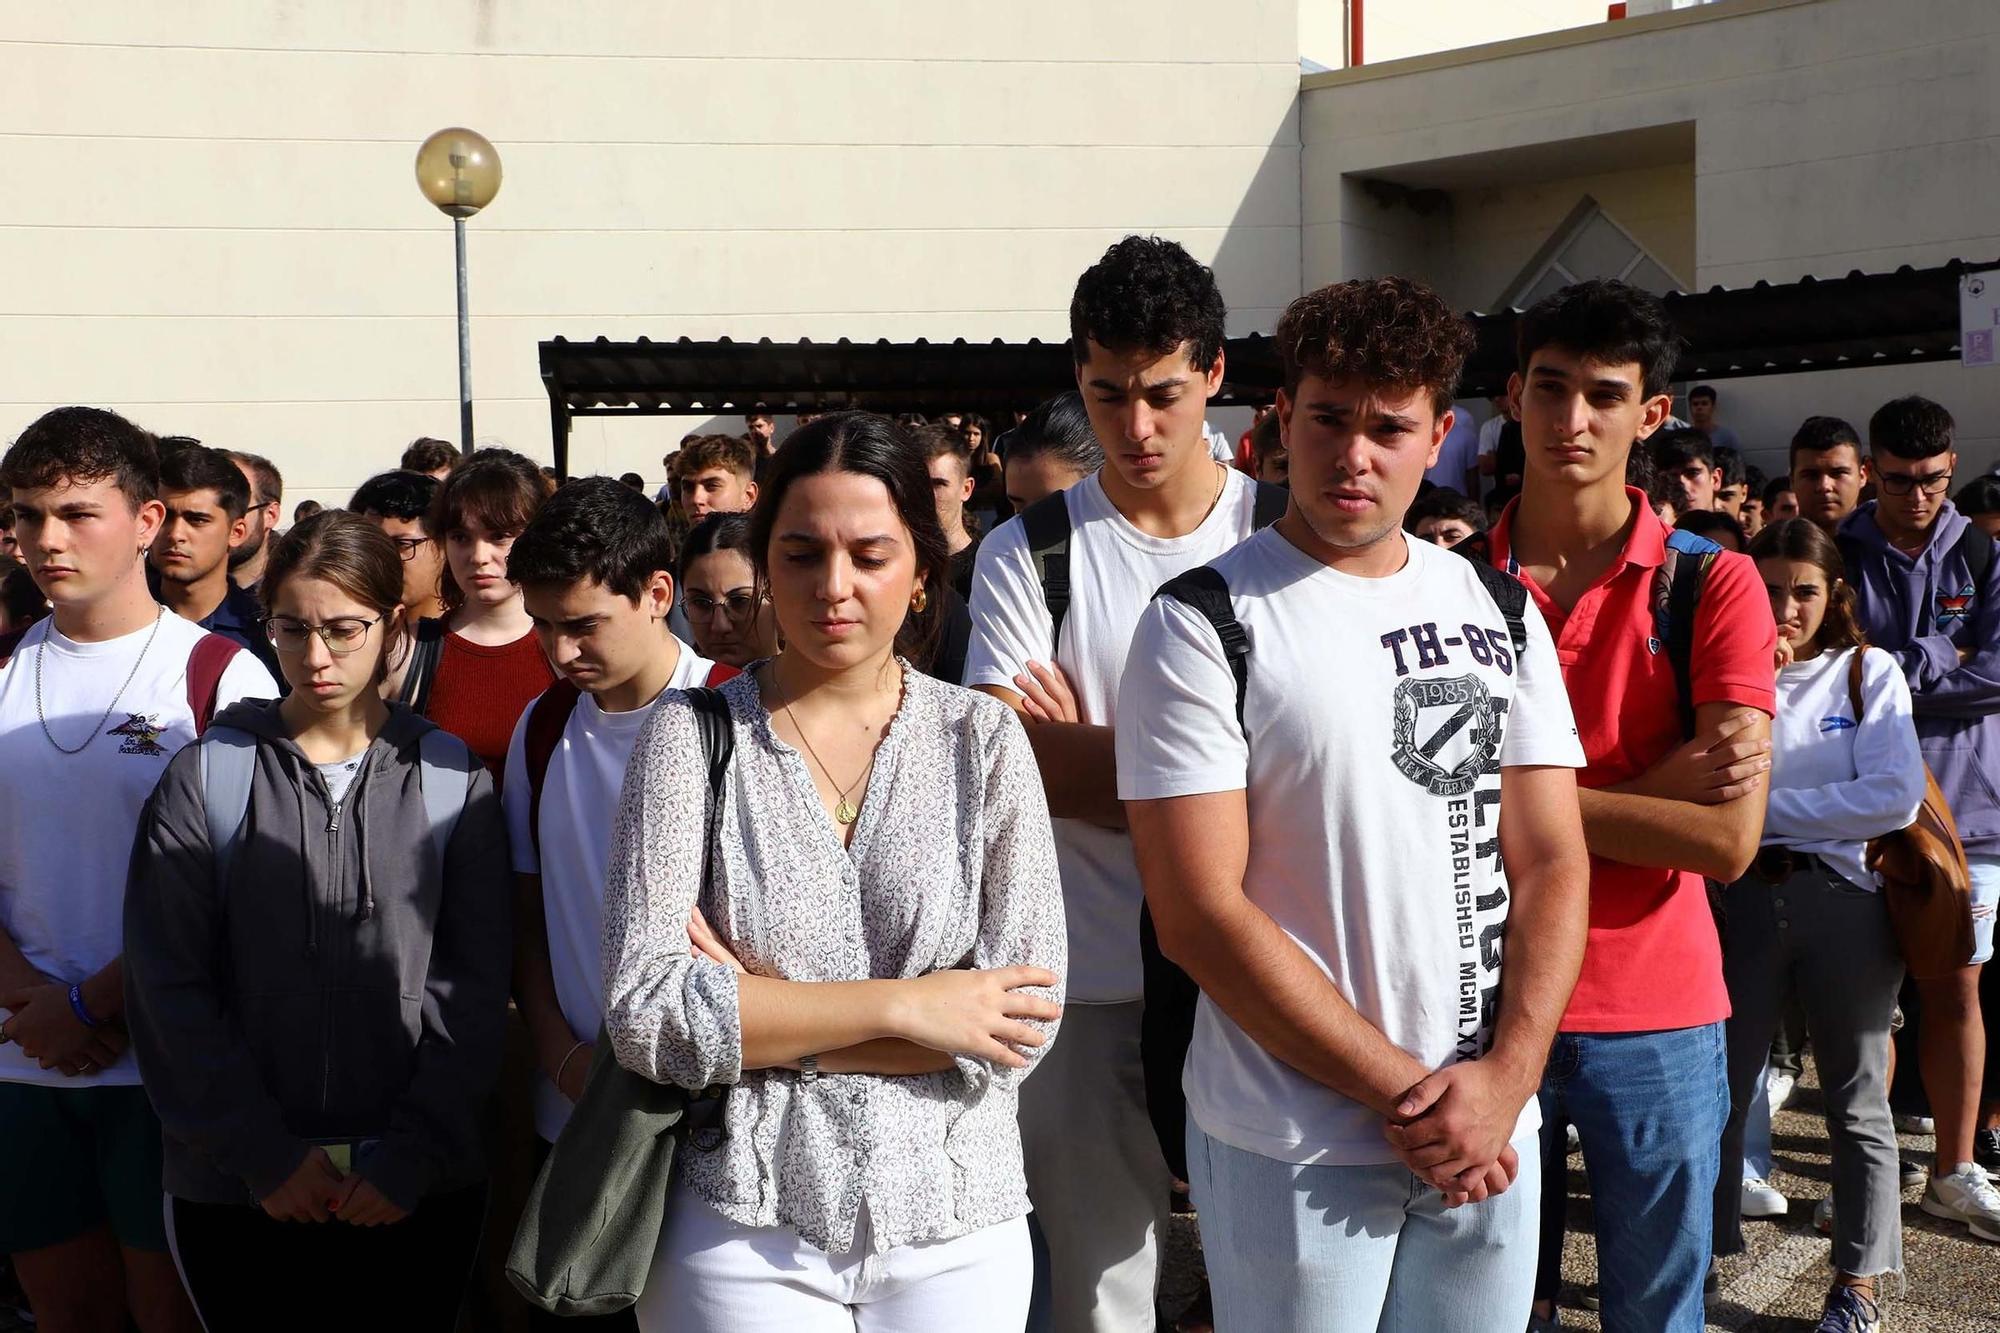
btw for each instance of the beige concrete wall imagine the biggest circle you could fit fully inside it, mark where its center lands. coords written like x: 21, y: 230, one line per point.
x: 1830, y: 135
x: 211, y: 220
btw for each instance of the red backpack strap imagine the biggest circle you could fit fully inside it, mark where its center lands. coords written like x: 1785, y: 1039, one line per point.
x: 547, y: 717
x: 718, y: 673
x: 211, y: 657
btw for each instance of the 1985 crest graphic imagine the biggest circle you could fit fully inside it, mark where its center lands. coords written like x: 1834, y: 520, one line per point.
x: 1447, y: 733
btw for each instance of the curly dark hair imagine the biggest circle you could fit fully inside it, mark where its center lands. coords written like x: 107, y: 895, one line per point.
x: 1147, y: 294
x: 1816, y: 435
x: 83, y: 445
x: 1382, y: 331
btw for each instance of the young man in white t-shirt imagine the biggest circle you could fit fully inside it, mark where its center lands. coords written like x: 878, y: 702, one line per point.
x: 1347, y: 855
x: 94, y: 702
x: 1146, y: 328
x: 593, y: 566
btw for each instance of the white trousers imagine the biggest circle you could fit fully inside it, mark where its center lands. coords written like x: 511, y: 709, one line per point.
x: 1096, y: 1176
x: 711, y: 1275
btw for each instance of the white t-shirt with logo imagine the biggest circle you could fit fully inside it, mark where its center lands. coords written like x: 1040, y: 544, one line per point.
x: 579, y: 801
x: 1114, y: 569
x: 1379, y: 714
x: 67, y: 821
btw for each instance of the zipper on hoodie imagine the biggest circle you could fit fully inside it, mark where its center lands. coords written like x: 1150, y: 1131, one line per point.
x: 334, y: 863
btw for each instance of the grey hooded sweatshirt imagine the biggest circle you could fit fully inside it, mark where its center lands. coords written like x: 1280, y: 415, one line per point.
x: 333, y: 988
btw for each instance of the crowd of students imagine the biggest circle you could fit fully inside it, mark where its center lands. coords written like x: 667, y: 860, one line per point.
x: 1102, y: 814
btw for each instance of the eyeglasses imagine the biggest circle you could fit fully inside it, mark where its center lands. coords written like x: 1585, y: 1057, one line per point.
x: 407, y: 547
x: 1896, y: 483
x: 341, y: 637
x: 737, y: 605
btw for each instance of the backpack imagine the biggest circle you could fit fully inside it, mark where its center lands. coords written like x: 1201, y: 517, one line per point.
x: 228, y: 757
x: 426, y: 649
x: 1675, y: 596
x: 1677, y: 586
x: 210, y: 657
x: 1046, y: 526
x: 1925, y: 884
x: 1166, y: 1024
x: 547, y: 717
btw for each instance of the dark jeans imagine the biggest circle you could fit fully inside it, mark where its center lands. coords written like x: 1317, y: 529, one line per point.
x: 1649, y: 1108
x: 248, y: 1273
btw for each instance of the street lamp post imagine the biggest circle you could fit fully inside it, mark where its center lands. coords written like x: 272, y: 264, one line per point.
x: 459, y: 172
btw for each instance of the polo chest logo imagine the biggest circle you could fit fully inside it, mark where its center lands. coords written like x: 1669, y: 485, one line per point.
x: 1447, y: 733
x: 1953, y: 609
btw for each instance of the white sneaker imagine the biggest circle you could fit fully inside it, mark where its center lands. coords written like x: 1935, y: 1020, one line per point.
x: 1909, y: 1174
x: 1916, y: 1124
x: 1779, y: 1086
x: 1966, y: 1195
x: 1761, y: 1200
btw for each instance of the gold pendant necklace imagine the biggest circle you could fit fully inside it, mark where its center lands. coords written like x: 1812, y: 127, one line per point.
x: 844, y: 811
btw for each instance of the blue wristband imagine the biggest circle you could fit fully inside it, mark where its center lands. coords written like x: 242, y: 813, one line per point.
x: 78, y: 1007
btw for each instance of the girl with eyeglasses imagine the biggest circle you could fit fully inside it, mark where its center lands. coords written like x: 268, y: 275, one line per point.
x: 316, y: 986
x: 727, y: 608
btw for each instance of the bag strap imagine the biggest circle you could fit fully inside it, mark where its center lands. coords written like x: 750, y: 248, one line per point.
x: 547, y: 717
x: 227, y: 757
x: 1046, y: 525
x: 1854, y: 683
x: 422, y: 672
x: 1683, y: 572
x: 1204, y: 590
x: 1511, y: 596
x: 1975, y: 548
x: 210, y: 657
x: 1268, y: 506
x: 446, y: 766
x: 718, y: 747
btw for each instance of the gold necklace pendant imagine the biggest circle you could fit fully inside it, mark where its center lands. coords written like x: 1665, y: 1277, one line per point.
x: 845, y: 812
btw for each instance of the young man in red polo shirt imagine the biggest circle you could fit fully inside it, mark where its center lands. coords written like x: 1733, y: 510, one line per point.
x: 1638, y: 1064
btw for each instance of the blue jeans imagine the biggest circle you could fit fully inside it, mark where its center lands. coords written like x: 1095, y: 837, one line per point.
x: 1312, y: 1248
x: 1649, y: 1108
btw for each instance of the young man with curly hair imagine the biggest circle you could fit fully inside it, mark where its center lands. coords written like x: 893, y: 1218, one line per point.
x: 1638, y: 1064
x: 715, y: 474
x: 1348, y: 871
x: 1146, y: 329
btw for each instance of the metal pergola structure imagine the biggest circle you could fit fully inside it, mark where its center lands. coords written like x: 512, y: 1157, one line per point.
x: 1863, y: 319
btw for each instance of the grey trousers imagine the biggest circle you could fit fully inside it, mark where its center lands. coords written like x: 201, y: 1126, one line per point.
x: 1096, y: 1176
x: 1831, y: 942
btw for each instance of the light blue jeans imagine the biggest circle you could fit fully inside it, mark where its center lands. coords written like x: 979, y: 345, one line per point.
x: 1985, y: 877
x: 1757, y: 1159
x: 1328, y: 1249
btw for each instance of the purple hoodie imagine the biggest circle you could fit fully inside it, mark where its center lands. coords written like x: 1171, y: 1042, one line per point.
x: 1923, y: 610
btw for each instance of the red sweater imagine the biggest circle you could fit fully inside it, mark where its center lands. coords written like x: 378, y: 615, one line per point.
x: 479, y: 692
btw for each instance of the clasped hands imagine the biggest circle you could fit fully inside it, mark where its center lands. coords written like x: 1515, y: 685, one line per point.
x: 48, y: 1031
x: 1452, y: 1129
x: 318, y: 1191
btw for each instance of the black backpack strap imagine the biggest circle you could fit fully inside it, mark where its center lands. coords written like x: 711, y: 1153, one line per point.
x: 1975, y: 548
x: 1269, y: 506
x: 1687, y: 564
x: 1203, y: 589
x: 705, y: 1124
x: 425, y: 652
x: 1511, y: 596
x: 1045, y: 524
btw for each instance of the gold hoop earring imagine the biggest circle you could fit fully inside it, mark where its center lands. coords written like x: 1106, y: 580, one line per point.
x: 920, y: 600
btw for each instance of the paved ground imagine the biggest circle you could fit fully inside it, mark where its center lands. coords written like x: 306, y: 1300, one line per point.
x: 1778, y: 1284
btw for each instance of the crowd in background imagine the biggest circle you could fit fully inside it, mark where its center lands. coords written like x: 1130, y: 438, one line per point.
x: 862, y: 773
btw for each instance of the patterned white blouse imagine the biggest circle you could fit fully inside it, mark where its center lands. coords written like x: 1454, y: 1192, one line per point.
x: 952, y: 864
